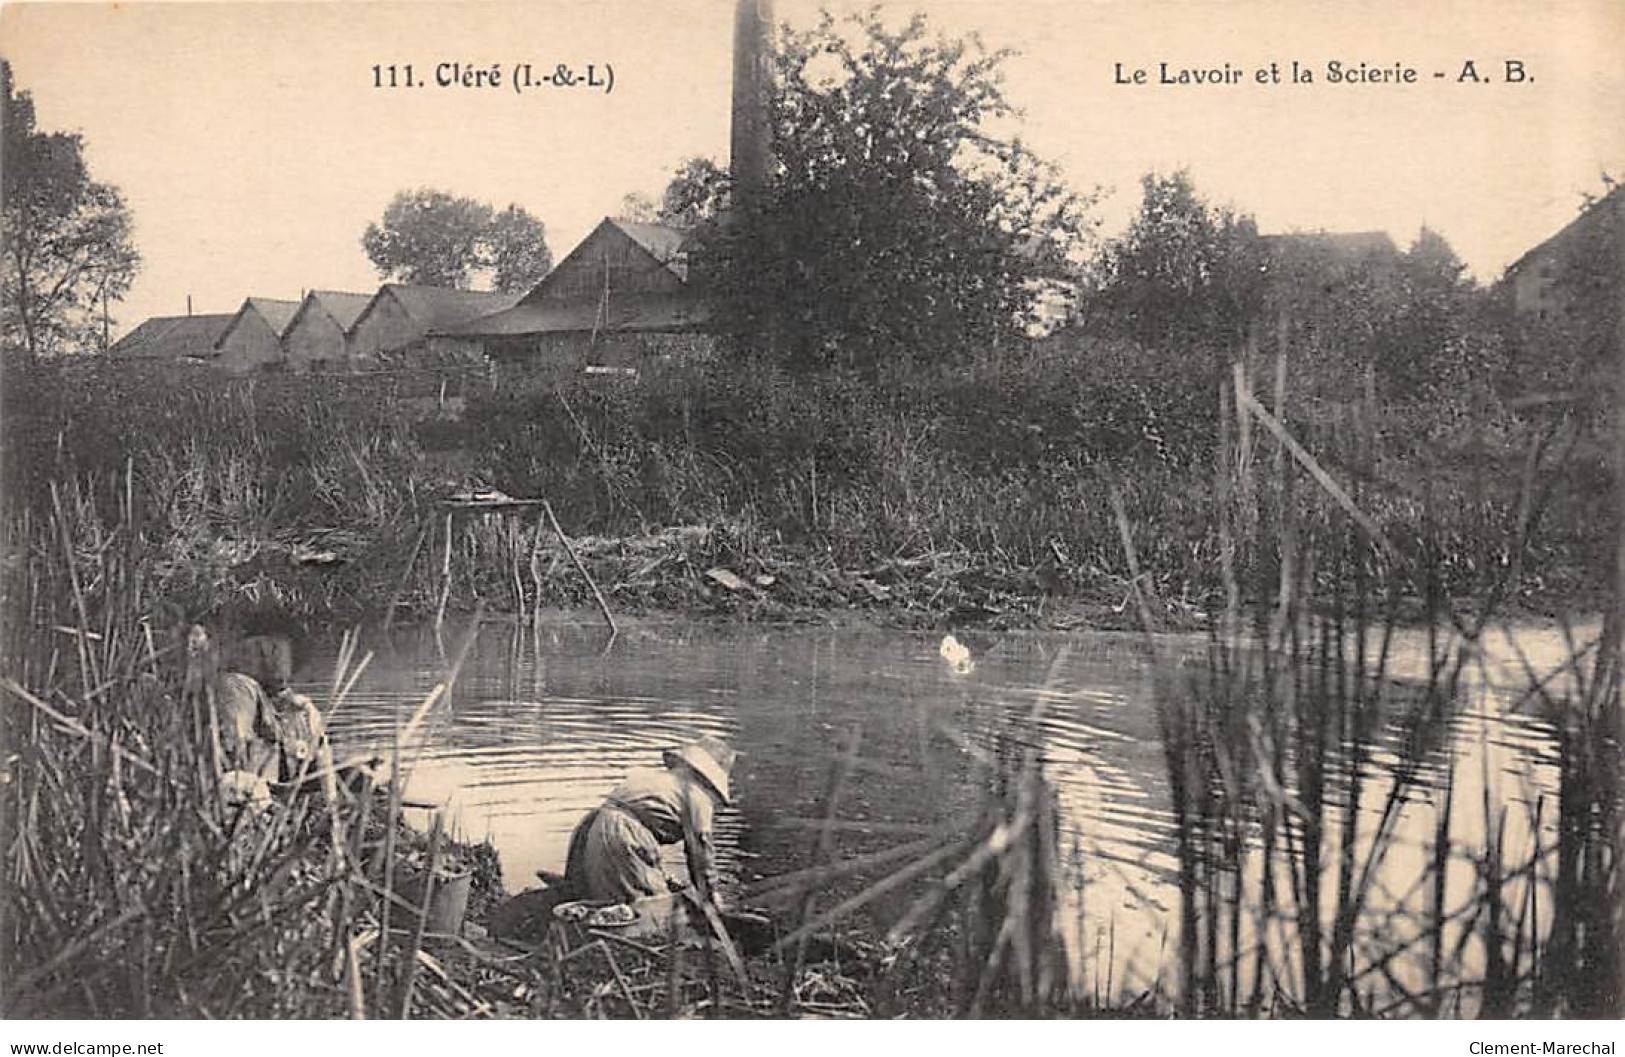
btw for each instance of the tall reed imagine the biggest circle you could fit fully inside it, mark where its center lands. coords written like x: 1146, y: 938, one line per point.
x: 1301, y: 763
x: 134, y: 885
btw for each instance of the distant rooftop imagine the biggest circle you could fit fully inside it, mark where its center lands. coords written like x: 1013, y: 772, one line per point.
x: 172, y: 337
x: 433, y: 307
x: 344, y: 307
x: 1592, y: 213
x: 659, y: 313
x: 1341, y: 243
x: 275, y: 311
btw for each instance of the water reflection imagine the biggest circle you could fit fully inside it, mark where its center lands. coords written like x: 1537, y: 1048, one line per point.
x: 543, y: 722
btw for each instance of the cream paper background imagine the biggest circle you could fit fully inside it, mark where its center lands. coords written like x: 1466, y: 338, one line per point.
x: 253, y: 149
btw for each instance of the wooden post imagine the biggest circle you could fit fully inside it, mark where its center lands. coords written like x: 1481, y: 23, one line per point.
x: 535, y: 574
x: 1283, y: 333
x: 514, y: 532
x: 1246, y: 496
x: 445, y: 576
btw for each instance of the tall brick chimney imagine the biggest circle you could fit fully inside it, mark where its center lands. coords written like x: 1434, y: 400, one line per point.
x: 750, y: 144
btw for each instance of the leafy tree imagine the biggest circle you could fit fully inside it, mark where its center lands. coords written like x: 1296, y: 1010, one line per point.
x: 1186, y: 274
x: 1408, y: 327
x: 439, y: 239
x: 1194, y: 278
x: 1433, y: 340
x: 428, y: 237
x: 639, y: 207
x: 516, y: 248
x: 696, y: 195
x: 1432, y: 264
x: 66, y: 244
x: 898, y: 222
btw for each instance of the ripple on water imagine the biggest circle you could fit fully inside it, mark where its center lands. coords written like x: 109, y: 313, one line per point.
x: 542, y: 726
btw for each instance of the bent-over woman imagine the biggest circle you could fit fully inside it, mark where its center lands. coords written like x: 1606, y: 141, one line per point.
x: 615, y: 849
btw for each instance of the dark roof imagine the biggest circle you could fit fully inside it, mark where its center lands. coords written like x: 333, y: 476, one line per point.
x: 1590, y: 214
x: 435, y: 307
x: 276, y: 312
x: 144, y: 339
x: 1348, y: 245
x: 345, y: 308
x: 172, y: 337
x: 630, y: 313
x: 665, y: 244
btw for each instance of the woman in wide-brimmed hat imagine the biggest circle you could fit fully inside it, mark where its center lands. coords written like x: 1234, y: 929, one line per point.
x: 615, y: 850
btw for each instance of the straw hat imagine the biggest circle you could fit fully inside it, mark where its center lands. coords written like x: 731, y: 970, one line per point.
x: 710, y: 758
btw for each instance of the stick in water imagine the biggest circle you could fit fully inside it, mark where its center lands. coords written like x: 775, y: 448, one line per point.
x: 603, y: 606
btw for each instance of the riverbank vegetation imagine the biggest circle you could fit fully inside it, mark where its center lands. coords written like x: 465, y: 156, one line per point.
x: 976, y: 495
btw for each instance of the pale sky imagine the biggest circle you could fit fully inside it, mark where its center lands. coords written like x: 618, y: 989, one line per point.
x: 253, y: 149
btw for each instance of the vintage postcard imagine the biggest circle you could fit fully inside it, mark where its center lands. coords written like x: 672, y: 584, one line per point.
x: 752, y: 509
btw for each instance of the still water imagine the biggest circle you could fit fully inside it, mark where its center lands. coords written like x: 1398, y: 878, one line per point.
x: 544, y: 720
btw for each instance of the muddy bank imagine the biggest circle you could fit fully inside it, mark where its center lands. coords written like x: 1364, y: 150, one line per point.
x: 504, y: 565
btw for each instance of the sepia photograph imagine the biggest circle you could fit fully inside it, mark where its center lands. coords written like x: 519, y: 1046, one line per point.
x: 798, y: 510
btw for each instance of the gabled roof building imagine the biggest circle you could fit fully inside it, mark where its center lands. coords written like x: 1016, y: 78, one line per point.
x: 401, y: 316
x: 622, y: 293
x: 1545, y: 282
x: 317, y: 337
x: 252, y: 341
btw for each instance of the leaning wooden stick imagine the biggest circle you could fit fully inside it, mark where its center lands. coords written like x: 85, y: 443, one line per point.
x: 400, y: 589
x: 603, y: 606
x: 719, y: 932
x: 1321, y: 477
